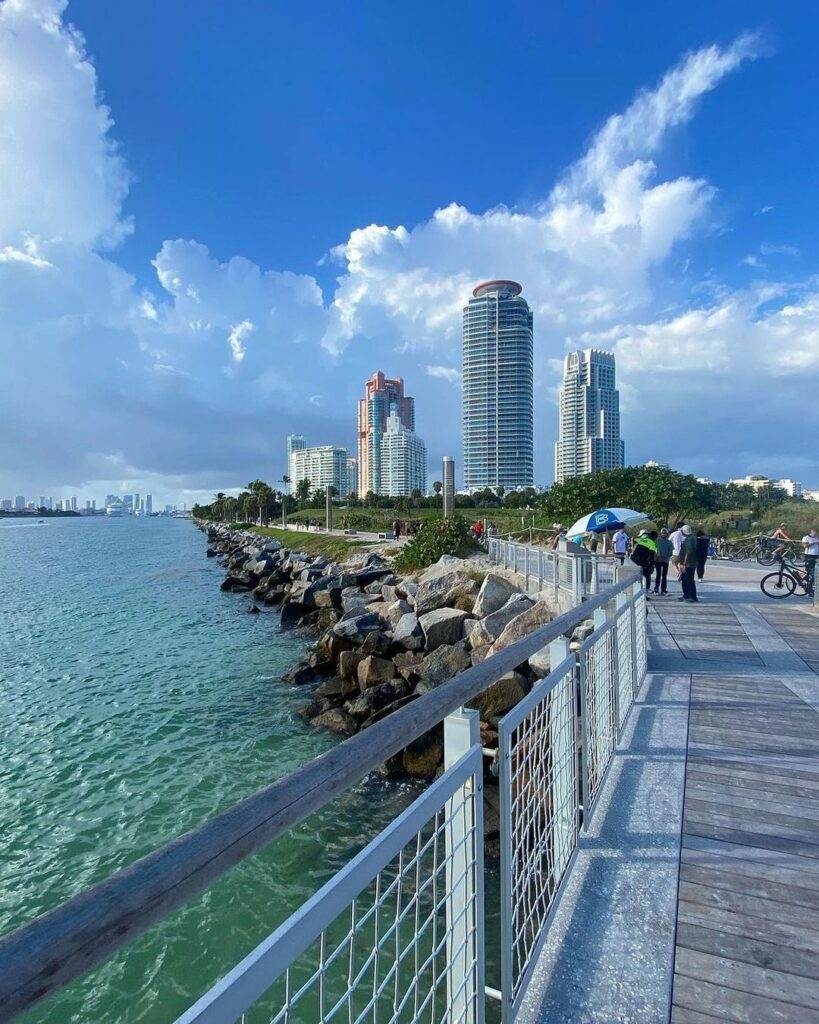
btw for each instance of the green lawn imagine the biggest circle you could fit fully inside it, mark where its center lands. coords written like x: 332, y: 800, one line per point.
x: 380, y: 520
x: 334, y: 548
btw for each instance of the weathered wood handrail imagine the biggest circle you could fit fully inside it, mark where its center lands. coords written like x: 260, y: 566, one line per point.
x: 48, y: 952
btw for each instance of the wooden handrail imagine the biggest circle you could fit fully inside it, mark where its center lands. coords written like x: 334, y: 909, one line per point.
x: 44, y: 955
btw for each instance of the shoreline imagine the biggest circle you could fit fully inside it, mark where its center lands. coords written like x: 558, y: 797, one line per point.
x: 376, y: 640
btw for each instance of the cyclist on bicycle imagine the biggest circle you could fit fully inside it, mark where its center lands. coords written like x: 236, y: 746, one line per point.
x: 779, y: 534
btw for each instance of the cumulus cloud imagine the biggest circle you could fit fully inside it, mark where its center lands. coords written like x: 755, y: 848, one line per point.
x: 448, y: 373
x: 107, y: 382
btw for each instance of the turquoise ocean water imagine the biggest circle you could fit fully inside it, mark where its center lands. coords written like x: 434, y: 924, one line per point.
x: 137, y: 700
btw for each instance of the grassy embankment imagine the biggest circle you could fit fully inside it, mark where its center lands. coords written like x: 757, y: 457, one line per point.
x: 798, y: 516
x: 380, y: 520
x: 334, y: 548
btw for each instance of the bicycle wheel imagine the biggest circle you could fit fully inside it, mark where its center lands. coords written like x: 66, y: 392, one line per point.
x: 765, y: 557
x: 736, y: 554
x: 778, y: 584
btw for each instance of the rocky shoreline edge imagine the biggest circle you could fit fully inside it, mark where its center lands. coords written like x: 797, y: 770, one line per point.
x: 379, y: 640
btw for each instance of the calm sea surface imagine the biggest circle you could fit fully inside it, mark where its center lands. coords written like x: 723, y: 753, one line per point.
x: 137, y: 700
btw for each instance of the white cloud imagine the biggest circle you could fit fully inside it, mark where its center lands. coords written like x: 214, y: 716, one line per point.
x: 448, y: 373
x: 236, y: 339
x: 752, y: 261
x: 769, y: 249
x: 131, y: 384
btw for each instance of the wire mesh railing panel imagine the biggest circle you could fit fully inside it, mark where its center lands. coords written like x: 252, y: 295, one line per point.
x: 540, y: 812
x: 598, y: 681
x: 395, y: 936
x: 640, y: 640
x: 626, y: 686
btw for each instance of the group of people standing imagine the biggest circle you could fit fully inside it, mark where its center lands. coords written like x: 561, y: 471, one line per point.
x: 654, y: 551
x: 405, y: 528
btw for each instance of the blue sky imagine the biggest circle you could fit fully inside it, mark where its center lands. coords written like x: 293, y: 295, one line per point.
x: 251, y: 230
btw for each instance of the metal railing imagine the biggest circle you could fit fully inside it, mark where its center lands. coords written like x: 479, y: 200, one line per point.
x: 397, y: 934
x: 579, y: 574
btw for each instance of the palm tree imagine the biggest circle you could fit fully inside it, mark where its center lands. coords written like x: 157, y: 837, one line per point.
x: 218, y: 506
x: 437, y: 487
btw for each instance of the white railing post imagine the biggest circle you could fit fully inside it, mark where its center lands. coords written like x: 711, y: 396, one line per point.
x: 577, y: 579
x: 594, y: 575
x: 464, y: 904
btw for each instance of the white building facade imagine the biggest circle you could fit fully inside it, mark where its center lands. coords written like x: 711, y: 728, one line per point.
x: 589, y: 431
x: 403, y: 460
x: 324, y: 466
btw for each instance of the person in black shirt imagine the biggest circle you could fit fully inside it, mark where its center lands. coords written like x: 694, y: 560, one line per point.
x: 703, y: 543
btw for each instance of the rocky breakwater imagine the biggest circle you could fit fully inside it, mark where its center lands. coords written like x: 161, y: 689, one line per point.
x: 380, y: 641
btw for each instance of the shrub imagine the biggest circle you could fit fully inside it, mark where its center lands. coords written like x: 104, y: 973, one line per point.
x: 435, y: 538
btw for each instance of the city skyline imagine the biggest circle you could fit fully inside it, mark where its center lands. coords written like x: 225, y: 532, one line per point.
x: 200, y: 334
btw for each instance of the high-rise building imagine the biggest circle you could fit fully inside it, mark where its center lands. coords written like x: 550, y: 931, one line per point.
x: 448, y: 485
x: 498, y: 353
x: 41, y: 503
x: 383, y: 397
x: 403, y: 460
x: 137, y: 504
x: 324, y: 465
x: 589, y: 433
x: 295, y: 443
x: 352, y: 476
x: 19, y: 502
x: 149, y: 504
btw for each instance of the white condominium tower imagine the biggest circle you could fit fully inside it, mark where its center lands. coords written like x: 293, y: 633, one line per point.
x: 589, y: 436
x: 323, y: 465
x: 497, y: 388
x: 403, y: 460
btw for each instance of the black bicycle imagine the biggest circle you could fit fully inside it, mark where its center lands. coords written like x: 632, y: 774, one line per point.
x: 766, y: 546
x: 789, y: 579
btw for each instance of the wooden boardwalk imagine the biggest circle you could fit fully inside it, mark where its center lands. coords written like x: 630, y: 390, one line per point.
x: 747, y: 933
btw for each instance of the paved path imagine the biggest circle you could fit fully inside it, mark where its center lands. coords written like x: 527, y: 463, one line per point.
x: 695, y: 895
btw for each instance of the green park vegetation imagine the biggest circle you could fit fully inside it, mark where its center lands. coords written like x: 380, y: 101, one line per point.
x: 328, y: 545
x: 435, y: 538
x: 665, y: 495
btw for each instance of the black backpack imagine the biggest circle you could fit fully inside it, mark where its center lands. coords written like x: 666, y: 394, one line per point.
x: 642, y: 555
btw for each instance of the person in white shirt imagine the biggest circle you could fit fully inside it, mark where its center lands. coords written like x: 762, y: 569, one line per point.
x: 677, y: 538
x: 621, y: 544
x: 811, y: 542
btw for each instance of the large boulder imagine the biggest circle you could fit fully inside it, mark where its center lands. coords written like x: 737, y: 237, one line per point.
x: 500, y: 696
x: 397, y: 610
x: 540, y: 662
x: 358, y: 627
x: 372, y: 671
x: 494, y: 593
x: 442, y: 626
x: 491, y: 626
x: 292, y: 613
x: 424, y: 756
x: 583, y: 631
x: 444, y: 588
x: 443, y: 664
x: 337, y: 720
x: 408, y: 633
x: 377, y: 697
x: 299, y: 674
x: 234, y: 584
x: 530, y: 620
x: 376, y: 716
x: 347, y: 665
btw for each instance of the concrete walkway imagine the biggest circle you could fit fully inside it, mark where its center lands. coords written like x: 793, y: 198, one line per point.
x: 695, y: 894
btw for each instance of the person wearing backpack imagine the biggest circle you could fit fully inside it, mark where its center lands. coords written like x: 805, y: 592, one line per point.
x: 644, y: 554
x: 665, y: 549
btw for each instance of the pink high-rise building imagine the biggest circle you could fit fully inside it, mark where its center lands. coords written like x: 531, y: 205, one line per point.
x: 383, y: 396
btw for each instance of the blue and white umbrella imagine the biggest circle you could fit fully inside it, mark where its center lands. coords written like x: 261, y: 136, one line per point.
x: 606, y: 519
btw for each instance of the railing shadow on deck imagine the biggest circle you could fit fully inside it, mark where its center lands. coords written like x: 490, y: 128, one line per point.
x: 400, y: 928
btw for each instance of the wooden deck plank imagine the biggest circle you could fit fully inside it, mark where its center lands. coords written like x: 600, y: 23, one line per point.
x: 752, y: 906
x: 736, y: 856
x: 743, y: 949
x: 751, y: 882
x: 739, y: 1007
x: 748, y: 978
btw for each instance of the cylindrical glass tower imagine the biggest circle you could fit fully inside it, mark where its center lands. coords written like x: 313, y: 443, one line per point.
x: 497, y: 388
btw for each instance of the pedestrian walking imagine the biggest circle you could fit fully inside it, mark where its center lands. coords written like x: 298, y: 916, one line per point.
x: 677, y: 538
x: 621, y: 544
x: 644, y: 553
x: 811, y: 542
x: 703, y: 547
x: 396, y: 529
x: 688, y: 566
x: 665, y: 549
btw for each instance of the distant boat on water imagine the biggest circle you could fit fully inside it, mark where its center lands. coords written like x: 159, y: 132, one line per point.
x: 116, y: 508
